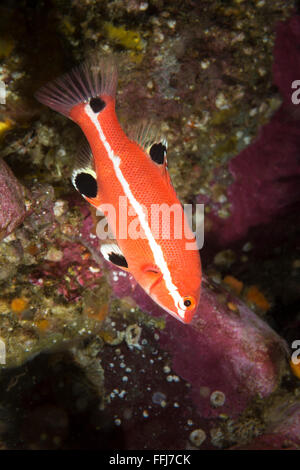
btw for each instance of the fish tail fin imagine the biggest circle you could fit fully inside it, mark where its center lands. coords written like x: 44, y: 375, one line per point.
x: 91, y: 79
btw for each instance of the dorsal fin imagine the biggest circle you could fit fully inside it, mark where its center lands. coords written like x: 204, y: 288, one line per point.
x: 113, y: 253
x: 84, y: 158
x: 93, y: 78
x: 147, y: 136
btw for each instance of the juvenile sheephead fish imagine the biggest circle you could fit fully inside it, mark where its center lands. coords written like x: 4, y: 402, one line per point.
x: 132, y: 170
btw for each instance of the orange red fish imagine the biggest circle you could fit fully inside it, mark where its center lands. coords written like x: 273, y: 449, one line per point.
x: 115, y: 167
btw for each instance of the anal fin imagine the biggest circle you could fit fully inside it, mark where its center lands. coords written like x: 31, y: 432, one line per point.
x: 112, y: 252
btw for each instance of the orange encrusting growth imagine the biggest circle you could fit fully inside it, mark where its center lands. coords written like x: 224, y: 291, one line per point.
x: 19, y: 304
x: 233, y: 283
x: 295, y: 369
x: 255, y: 296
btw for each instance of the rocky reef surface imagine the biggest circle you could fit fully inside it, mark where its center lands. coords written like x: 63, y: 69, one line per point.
x: 90, y: 360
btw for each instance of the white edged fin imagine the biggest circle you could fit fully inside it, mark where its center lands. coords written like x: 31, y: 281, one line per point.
x: 91, y: 79
x: 112, y: 252
x: 84, y: 176
x: 84, y: 157
x: 146, y: 135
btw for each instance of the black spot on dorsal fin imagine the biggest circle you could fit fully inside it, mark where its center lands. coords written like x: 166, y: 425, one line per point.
x: 84, y: 176
x: 151, y: 140
x: 112, y: 253
x: 97, y: 104
x: 158, y: 152
x: 86, y: 184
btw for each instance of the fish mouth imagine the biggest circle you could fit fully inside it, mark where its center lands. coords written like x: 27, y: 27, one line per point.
x: 160, y: 304
x: 171, y: 312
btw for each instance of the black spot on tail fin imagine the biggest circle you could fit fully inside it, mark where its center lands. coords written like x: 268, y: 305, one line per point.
x: 97, y: 104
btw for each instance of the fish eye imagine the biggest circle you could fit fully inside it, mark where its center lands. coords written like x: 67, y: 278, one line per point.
x: 189, y: 302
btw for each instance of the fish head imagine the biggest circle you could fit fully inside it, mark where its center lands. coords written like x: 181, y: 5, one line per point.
x: 179, y: 296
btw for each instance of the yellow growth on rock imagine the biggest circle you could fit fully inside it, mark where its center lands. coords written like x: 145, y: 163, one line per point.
x: 5, y: 126
x: 128, y: 38
x: 232, y: 307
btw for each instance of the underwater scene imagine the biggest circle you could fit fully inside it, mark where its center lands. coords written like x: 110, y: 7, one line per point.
x: 149, y: 225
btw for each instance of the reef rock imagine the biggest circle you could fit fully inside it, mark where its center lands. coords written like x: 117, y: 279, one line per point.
x: 283, y: 431
x: 267, y: 170
x: 12, y: 206
x: 227, y: 353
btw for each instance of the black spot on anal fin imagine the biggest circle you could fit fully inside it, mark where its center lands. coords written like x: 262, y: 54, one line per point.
x: 158, y: 153
x: 86, y: 184
x: 118, y: 260
x: 97, y: 104
x: 112, y: 253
